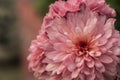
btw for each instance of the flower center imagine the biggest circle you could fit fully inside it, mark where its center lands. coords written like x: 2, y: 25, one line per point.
x: 82, y: 44
x: 83, y: 48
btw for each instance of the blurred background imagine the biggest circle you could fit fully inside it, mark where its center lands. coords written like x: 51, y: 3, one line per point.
x: 20, y: 21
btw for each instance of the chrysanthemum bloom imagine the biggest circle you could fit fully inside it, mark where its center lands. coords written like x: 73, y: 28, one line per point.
x: 76, y: 42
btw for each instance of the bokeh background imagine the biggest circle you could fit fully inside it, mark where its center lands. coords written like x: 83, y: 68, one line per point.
x: 20, y: 21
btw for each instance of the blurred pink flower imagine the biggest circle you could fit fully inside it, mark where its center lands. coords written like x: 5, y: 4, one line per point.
x: 82, y: 44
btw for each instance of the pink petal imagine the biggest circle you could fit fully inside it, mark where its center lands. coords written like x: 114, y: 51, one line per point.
x: 60, y: 69
x: 60, y: 47
x: 75, y: 73
x: 106, y: 59
x: 99, y: 66
x: 51, y: 67
x: 60, y: 57
x: 111, y: 69
x: 90, y: 64
x: 99, y: 76
x: 81, y: 63
x: 116, y: 51
x: 69, y: 62
x: 51, y: 55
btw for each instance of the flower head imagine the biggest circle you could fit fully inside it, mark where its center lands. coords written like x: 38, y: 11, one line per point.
x: 81, y: 44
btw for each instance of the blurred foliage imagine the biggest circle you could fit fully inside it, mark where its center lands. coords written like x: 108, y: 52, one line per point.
x: 9, y: 42
x: 116, y: 5
x: 9, y: 47
x: 43, y: 6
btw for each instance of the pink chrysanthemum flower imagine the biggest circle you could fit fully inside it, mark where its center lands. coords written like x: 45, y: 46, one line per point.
x: 80, y: 44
